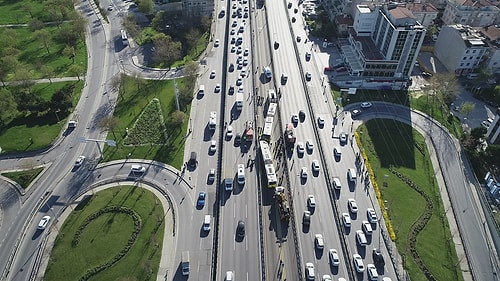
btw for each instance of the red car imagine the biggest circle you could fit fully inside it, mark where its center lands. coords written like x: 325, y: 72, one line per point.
x: 328, y: 68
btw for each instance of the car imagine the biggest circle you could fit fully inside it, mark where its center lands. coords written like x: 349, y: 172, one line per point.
x: 43, y: 222
x: 361, y: 238
x: 245, y: 15
x: 284, y: 78
x: 346, y: 219
x: 245, y: 52
x: 245, y: 62
x: 343, y: 137
x: 300, y: 148
x: 237, y: 139
x: 486, y: 124
x: 213, y: 146
x: 308, y: 56
x: 308, y: 76
x: 201, y: 198
x: 231, y: 90
x: 328, y: 68
x: 336, y: 183
x: 337, y: 152
x: 243, y: 72
x: 318, y: 241
x: 240, y: 229
x: 311, y: 201
x: 355, y: 112
x: 212, y: 74
x: 358, y: 263
x: 303, y: 173
x: 309, y: 145
x: 306, y: 218
x: 232, y: 33
x: 217, y: 88
x: 353, y: 207
x: 367, y: 227
x: 321, y: 122
x: 211, y: 175
x: 372, y: 272
x: 239, y: 82
x: 231, y: 67
x: 110, y: 8
x: 229, y: 276
x: 298, y: 38
x: 216, y: 43
x: 79, y: 161
x: 229, y: 132
x: 366, y: 104
x: 334, y: 257
x: 302, y: 115
x: 276, y: 45
x: 378, y: 258
x: 239, y: 50
x: 295, y: 118
x: 315, y: 166
x: 372, y: 216
x: 233, y: 48
x: 310, y: 271
x: 326, y: 277
x: 235, y: 23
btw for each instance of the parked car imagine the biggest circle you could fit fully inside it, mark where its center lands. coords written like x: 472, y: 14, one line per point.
x: 366, y: 104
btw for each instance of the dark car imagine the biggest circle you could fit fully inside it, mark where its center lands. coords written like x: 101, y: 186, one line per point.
x: 302, y: 115
x: 201, y: 199
x: 306, y: 218
x: 378, y: 258
x: 231, y: 90
x: 192, y: 162
x: 276, y: 45
x: 231, y: 67
x: 240, y: 229
x: 237, y: 139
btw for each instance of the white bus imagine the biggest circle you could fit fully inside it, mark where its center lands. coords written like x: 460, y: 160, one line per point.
x: 124, y: 37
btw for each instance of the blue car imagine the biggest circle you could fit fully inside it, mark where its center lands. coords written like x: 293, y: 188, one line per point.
x: 201, y: 199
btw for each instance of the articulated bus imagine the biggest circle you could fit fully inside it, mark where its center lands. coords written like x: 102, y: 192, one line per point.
x: 124, y: 37
x: 270, y: 172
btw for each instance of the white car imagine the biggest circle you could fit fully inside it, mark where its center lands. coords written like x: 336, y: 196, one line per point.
x: 346, y: 219
x: 79, y: 161
x: 303, y: 173
x: 229, y: 132
x: 308, y: 76
x: 311, y: 201
x: 372, y: 272
x: 367, y: 227
x: 239, y: 82
x: 355, y: 112
x: 217, y: 88
x: 245, y: 53
x: 211, y: 175
x: 334, y: 257
x: 318, y: 241
x: 213, y: 146
x: 343, y: 137
x: 216, y: 43
x: 310, y: 271
x: 308, y: 56
x: 295, y: 118
x: 309, y: 145
x: 366, y: 104
x: 358, y: 263
x: 326, y: 277
x: 43, y: 222
x: 245, y: 62
x: 300, y: 148
x: 353, y: 207
x: 372, y: 216
x: 212, y: 74
x: 315, y: 166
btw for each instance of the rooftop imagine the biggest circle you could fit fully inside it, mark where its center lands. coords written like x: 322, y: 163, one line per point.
x: 422, y: 8
x: 401, y: 13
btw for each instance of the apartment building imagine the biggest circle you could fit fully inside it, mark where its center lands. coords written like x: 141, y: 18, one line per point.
x: 468, y: 50
x: 471, y: 12
x: 197, y: 8
x: 492, y: 56
x: 425, y: 13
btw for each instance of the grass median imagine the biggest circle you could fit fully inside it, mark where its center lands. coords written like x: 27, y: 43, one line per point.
x: 390, y: 144
x: 107, y: 234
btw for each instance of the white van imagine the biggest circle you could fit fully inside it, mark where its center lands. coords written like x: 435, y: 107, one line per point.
x: 201, y: 90
x: 137, y: 169
x: 241, y: 174
x: 352, y: 174
x: 206, y: 223
x: 229, y: 276
x: 361, y: 238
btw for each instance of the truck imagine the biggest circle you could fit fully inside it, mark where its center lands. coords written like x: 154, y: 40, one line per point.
x: 185, y: 263
x: 282, y: 204
x: 212, y: 122
x: 239, y: 101
x: 249, y: 131
x: 289, y: 136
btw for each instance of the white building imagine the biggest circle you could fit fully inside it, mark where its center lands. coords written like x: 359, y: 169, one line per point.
x: 471, y: 12
x: 425, y: 13
x: 467, y: 51
x: 197, y: 8
x: 492, y: 57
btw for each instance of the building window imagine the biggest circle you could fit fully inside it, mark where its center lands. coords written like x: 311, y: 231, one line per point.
x: 464, y: 58
x: 462, y: 64
x: 473, y: 51
x: 468, y: 64
x: 478, y: 58
x: 467, y: 51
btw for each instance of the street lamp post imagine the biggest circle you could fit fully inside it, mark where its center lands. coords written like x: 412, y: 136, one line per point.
x: 108, y: 142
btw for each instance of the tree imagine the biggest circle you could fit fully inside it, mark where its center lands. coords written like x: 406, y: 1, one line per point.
x: 35, y: 24
x: 206, y: 23
x: 117, y: 83
x: 190, y: 72
x: 79, y: 24
x: 10, y: 64
x: 43, y: 36
x: 192, y: 37
x: 467, y: 108
x: 446, y: 87
x: 24, y: 77
x: 28, y: 7
x: 109, y: 123
x: 185, y: 96
x: 8, y: 107
x: 177, y: 118
x: 138, y: 81
x: 47, y: 72
x: 9, y: 38
x: 70, y: 52
x: 146, y: 6
x: 167, y: 51
x: 76, y: 70
x: 62, y: 100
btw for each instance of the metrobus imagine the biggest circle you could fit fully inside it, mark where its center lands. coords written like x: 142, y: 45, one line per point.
x: 268, y: 129
x: 271, y: 111
x: 270, y: 172
x: 124, y: 37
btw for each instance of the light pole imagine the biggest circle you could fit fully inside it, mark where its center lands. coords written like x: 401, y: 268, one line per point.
x: 108, y: 142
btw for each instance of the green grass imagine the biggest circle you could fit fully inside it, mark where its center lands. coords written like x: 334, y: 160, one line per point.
x: 105, y: 236
x: 23, y: 178
x: 42, y: 129
x: 33, y: 53
x: 389, y: 143
x: 129, y: 107
x: 14, y: 12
